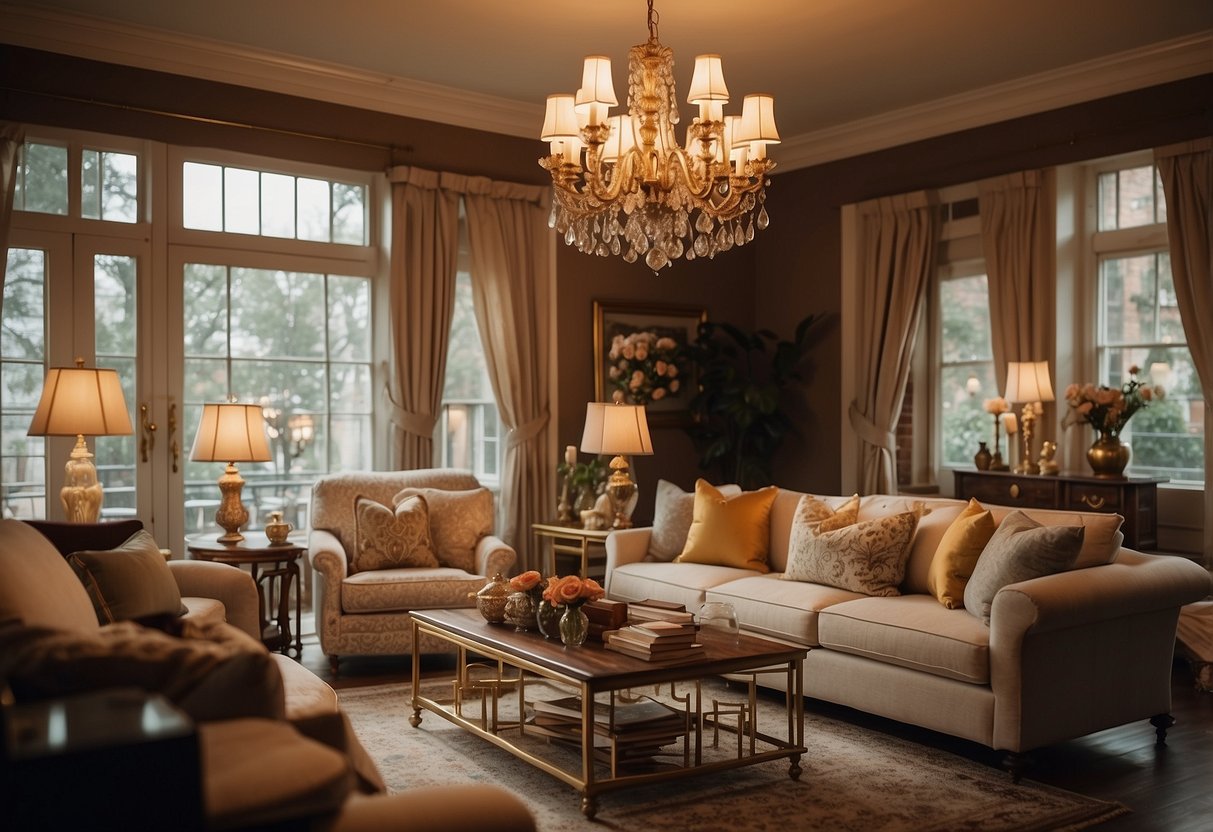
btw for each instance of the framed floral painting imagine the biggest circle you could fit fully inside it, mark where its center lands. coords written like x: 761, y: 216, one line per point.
x: 641, y: 357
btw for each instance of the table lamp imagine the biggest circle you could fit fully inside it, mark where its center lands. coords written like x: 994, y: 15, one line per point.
x: 1028, y: 383
x: 619, y: 429
x: 231, y: 432
x: 79, y: 401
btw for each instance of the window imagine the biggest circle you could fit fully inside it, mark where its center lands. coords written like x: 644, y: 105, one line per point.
x: 966, y: 367
x: 1139, y: 325
x: 22, y: 370
x: 41, y: 184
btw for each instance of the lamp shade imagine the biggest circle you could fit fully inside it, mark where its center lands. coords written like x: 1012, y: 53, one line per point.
x: 757, y: 125
x: 81, y: 401
x: 621, y: 140
x: 616, y: 429
x: 559, y: 119
x: 231, y: 432
x: 596, y: 84
x: 707, y: 84
x: 1028, y: 381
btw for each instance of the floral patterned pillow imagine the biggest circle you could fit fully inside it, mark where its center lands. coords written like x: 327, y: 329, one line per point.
x: 868, y: 557
x: 458, y: 519
x: 816, y: 515
x: 391, y: 539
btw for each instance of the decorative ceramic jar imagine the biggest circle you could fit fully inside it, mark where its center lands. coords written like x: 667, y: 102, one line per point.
x: 277, y: 529
x: 520, y: 609
x: 983, y: 457
x: 1109, y: 456
x: 548, y: 615
x: 574, y: 626
x: 491, y: 599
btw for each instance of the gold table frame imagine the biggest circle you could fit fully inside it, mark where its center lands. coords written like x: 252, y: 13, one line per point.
x: 592, y: 670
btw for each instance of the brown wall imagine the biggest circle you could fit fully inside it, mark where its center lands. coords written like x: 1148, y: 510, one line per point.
x: 792, y: 268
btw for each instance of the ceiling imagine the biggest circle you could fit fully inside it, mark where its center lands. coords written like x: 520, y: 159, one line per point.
x: 829, y: 63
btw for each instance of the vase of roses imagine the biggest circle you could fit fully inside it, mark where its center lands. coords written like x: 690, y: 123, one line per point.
x: 1108, y: 410
x: 523, y: 603
x: 571, y: 592
x: 644, y: 367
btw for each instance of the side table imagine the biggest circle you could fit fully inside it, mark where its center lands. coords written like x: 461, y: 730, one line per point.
x: 569, y: 540
x: 275, y: 569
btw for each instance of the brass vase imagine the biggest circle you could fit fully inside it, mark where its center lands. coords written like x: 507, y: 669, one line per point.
x: 982, y: 458
x: 520, y: 610
x: 1109, y: 456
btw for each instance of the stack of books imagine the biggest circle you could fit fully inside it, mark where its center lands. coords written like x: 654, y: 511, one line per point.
x: 654, y: 610
x: 656, y: 641
x: 637, y: 730
x: 605, y: 614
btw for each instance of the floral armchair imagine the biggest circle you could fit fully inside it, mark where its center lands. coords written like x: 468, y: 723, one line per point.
x: 365, y: 611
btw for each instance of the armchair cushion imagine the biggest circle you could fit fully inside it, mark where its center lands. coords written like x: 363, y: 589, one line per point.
x: 458, y: 519
x: 130, y: 582
x: 390, y: 539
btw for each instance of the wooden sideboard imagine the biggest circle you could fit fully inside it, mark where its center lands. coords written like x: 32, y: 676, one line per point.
x: 1134, y: 498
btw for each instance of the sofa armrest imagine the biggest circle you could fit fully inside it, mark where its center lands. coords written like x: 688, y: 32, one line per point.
x: 327, y: 555
x: 494, y: 555
x: 625, y: 546
x: 230, y: 585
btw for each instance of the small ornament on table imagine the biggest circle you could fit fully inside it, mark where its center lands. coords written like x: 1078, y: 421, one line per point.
x: 996, y: 407
x: 571, y: 592
x: 1048, y: 466
x: 564, y: 508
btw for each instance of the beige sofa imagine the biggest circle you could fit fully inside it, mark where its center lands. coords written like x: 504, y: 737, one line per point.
x: 275, y: 750
x: 367, y: 613
x: 1063, y: 656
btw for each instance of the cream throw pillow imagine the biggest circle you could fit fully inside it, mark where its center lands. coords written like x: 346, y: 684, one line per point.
x: 819, y: 517
x: 458, y: 519
x: 730, y: 531
x: 1021, y: 549
x: 868, y: 557
x: 957, y: 554
x: 673, y: 511
x: 388, y: 539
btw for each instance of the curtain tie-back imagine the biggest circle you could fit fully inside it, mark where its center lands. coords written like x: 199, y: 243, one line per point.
x: 869, y: 431
x: 418, y: 424
x: 526, y: 432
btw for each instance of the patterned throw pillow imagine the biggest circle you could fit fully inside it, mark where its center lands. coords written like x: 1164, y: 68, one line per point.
x: 819, y: 517
x: 730, y: 531
x: 458, y: 519
x: 673, y: 510
x: 388, y: 539
x: 868, y: 557
x: 1021, y: 549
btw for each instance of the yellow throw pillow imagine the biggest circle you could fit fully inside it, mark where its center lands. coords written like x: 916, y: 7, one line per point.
x: 730, y: 531
x: 957, y: 554
x: 388, y: 539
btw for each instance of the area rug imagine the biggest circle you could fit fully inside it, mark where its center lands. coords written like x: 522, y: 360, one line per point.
x: 853, y: 779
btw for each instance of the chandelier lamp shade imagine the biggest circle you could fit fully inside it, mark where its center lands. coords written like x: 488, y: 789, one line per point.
x: 81, y: 401
x: 624, y: 185
x: 622, y: 430
x: 231, y: 432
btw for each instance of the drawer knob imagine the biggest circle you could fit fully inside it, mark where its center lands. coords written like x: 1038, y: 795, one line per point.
x: 1014, y: 489
x: 1094, y: 502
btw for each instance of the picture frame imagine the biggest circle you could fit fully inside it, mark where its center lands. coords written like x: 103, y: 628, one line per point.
x: 666, y: 396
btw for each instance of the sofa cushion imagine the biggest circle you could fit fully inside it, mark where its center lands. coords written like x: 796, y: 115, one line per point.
x: 391, y: 539
x: 1021, y: 549
x: 673, y: 510
x: 911, y: 631
x: 129, y: 582
x: 413, y: 588
x: 682, y: 583
x: 1101, y: 540
x: 786, y: 610
x: 730, y: 531
x: 817, y: 516
x: 38, y: 588
x: 867, y: 557
x: 458, y: 519
x: 957, y: 554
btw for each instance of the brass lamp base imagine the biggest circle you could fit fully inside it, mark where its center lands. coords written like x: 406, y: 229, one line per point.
x: 231, y: 514
x: 620, y: 489
x: 81, y: 494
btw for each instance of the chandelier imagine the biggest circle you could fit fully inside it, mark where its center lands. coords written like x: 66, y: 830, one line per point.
x: 624, y: 185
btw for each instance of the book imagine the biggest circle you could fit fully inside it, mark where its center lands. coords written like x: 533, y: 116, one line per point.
x: 606, y: 613
x: 656, y: 645
x: 661, y: 630
x: 657, y: 604
x: 685, y: 654
x: 639, y: 612
x: 627, y: 714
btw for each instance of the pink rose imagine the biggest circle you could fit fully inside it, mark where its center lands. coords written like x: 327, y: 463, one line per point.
x: 659, y: 367
x: 666, y: 343
x: 674, y: 386
x: 642, y: 351
x: 658, y: 393
x: 629, y: 352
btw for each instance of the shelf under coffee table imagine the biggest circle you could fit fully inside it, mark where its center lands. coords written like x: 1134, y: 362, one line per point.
x: 518, y: 660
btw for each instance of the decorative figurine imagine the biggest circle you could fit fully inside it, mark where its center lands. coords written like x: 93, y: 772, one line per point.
x: 1048, y: 467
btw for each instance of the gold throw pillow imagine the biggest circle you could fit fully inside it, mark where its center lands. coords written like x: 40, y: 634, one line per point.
x: 388, y: 539
x: 730, y: 531
x: 957, y: 554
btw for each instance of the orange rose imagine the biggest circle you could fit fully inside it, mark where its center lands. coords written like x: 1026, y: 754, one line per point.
x: 526, y: 581
x: 569, y: 590
x: 590, y: 590
x: 550, y: 594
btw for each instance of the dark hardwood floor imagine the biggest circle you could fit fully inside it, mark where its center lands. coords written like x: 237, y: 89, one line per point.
x: 1169, y: 788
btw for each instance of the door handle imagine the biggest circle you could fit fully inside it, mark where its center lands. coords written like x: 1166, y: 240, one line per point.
x: 148, y: 439
x: 1094, y: 502
x: 174, y: 445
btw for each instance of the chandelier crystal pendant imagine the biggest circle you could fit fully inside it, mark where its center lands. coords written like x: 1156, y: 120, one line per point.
x: 624, y: 185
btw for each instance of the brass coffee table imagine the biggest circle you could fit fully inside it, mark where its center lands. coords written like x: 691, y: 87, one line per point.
x: 518, y: 659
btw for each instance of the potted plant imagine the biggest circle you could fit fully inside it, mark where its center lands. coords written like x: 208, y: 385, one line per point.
x: 738, y: 420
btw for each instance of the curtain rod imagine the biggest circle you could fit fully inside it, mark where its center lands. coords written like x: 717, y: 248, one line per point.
x: 219, y: 122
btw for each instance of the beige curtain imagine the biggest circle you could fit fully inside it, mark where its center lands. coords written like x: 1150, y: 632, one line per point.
x: 12, y: 136
x: 1187, y: 181
x: 510, y: 247
x: 425, y: 250
x: 898, y: 236
x: 1018, y: 216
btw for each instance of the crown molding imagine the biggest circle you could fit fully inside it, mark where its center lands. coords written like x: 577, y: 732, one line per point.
x: 155, y: 49
x: 1157, y: 63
